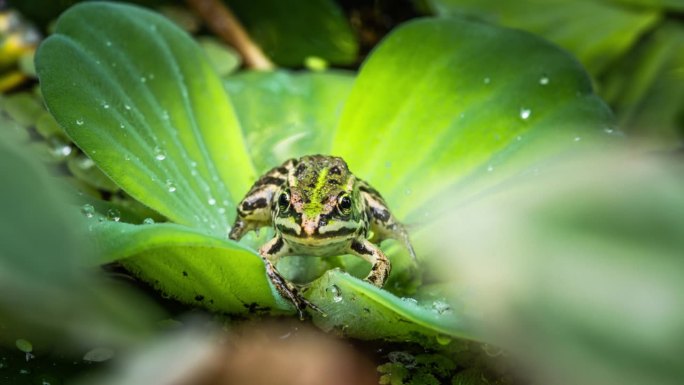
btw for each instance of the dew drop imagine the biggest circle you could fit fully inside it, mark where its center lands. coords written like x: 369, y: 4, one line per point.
x: 490, y: 168
x: 105, y: 105
x: 336, y: 293
x: 487, y: 80
x: 79, y: 122
x: 159, y: 153
x: 108, y: 43
x: 143, y: 79
x: 441, y: 307
x: 148, y: 221
x: 88, y: 210
x: 608, y: 130
x: 408, y: 191
x: 525, y: 113
x: 518, y: 138
x: 127, y: 107
x: 211, y: 201
x: 577, y: 138
x: 59, y: 147
x: 221, y: 210
x: 114, y: 215
x: 544, y: 80
x: 410, y: 300
x: 170, y: 185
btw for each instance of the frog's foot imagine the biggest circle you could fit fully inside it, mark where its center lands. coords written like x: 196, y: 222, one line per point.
x: 289, y: 291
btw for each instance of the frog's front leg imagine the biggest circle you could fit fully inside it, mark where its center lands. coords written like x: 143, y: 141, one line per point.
x: 383, y: 224
x: 380, y: 268
x: 270, y: 253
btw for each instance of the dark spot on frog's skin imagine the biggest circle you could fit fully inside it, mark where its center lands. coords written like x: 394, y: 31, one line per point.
x: 185, y: 274
x: 375, y: 267
x: 335, y: 170
x: 334, y: 181
x: 199, y: 298
x: 211, y: 301
x: 276, y: 181
x: 312, y: 185
x: 281, y: 170
x: 299, y: 170
x: 323, y: 221
x: 276, y: 246
x: 360, y: 248
x: 382, y: 215
x: 367, y: 310
x: 257, y: 204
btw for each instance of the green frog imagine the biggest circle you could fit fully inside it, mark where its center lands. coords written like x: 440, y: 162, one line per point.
x: 318, y: 208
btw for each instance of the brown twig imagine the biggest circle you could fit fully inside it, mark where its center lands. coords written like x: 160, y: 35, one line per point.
x: 223, y: 22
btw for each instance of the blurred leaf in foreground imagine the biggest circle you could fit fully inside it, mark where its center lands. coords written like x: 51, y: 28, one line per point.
x: 46, y: 292
x: 579, y: 270
x: 647, y: 88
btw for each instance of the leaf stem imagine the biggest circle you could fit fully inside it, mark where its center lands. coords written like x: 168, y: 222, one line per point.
x: 223, y: 22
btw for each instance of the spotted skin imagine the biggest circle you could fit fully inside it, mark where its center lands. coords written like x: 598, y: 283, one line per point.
x: 318, y: 208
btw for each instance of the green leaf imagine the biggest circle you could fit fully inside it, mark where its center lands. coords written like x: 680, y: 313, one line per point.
x: 434, y: 109
x: 189, y: 265
x: 580, y: 273
x: 47, y: 295
x: 140, y: 98
x: 302, y: 111
x: 614, y: 27
x: 647, y: 88
x: 291, y: 31
x: 358, y: 309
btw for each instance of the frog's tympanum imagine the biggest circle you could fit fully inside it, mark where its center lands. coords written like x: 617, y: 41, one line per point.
x: 318, y: 208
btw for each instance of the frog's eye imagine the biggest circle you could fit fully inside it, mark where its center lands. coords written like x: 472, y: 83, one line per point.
x: 284, y: 200
x: 344, y: 203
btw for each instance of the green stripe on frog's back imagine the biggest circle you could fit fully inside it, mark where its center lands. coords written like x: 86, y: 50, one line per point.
x: 315, y: 207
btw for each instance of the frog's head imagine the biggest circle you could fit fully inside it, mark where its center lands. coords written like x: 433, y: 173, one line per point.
x: 320, y: 200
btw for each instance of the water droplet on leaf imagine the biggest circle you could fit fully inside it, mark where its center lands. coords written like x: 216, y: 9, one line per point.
x: 114, y: 215
x: 336, y: 293
x: 148, y: 221
x: 88, y: 210
x: 159, y: 153
x: 525, y: 113
x: 170, y: 185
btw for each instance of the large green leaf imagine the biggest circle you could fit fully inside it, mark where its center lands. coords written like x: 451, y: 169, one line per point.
x: 291, y: 31
x: 139, y: 97
x: 579, y: 276
x: 434, y: 107
x: 189, y: 265
x: 614, y: 27
x: 302, y: 111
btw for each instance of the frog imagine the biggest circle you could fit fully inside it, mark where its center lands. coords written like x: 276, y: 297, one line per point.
x: 318, y: 207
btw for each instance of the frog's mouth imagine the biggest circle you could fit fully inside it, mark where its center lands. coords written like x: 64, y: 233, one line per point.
x: 314, y: 228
